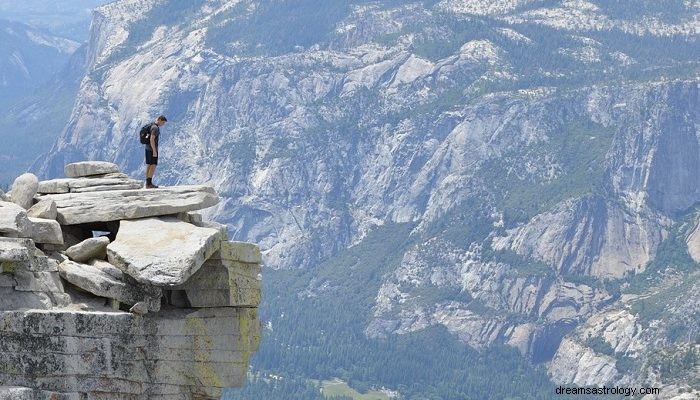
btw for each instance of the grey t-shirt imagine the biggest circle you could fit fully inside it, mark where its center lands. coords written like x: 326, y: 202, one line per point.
x: 155, y: 133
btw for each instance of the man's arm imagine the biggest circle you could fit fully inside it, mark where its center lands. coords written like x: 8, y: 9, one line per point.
x: 153, y: 143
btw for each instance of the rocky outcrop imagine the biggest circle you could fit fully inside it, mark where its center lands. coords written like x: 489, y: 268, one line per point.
x: 115, y: 205
x: 159, y: 307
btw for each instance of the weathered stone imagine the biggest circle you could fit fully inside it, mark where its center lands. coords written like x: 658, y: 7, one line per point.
x: 162, y: 251
x: 100, y: 283
x: 91, y: 184
x: 46, y: 231
x: 223, y: 229
x: 38, y: 281
x: 139, y: 308
x: 88, y: 168
x: 108, y: 268
x: 7, y: 280
x: 10, y: 299
x: 54, y: 186
x: 179, y: 353
x: 16, y: 393
x: 216, y: 284
x: 88, y: 249
x: 62, y: 334
x: 101, y: 188
x: 43, y: 209
x: 77, y: 208
x: 23, y: 190
x: 239, y: 251
x: 14, y: 221
x: 191, y: 217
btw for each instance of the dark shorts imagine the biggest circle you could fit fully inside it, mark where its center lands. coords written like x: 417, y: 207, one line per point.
x: 150, y: 160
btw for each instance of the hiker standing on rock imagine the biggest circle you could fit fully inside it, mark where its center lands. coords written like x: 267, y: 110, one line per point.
x: 149, y: 136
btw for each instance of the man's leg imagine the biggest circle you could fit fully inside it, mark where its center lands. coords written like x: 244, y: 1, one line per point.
x: 150, y: 171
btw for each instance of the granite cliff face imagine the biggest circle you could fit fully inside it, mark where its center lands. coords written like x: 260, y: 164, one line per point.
x: 540, y: 151
x: 113, y: 291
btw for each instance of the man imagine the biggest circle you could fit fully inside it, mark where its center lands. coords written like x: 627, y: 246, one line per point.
x: 152, y: 151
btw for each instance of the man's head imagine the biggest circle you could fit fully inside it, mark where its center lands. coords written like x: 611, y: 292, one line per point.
x: 161, y: 120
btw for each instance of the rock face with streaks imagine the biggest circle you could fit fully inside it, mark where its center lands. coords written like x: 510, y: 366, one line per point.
x: 101, y: 303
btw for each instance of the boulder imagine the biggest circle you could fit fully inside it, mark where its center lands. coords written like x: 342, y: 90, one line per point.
x: 100, y: 283
x: 93, y: 248
x: 46, y: 231
x: 162, y: 251
x: 139, y: 308
x: 23, y: 190
x: 14, y: 220
x: 88, y: 168
x: 77, y: 208
x: 44, y: 209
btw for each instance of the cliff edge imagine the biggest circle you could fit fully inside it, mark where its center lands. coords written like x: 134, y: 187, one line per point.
x: 113, y: 291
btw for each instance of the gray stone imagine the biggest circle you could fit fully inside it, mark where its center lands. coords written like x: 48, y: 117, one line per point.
x: 191, y: 217
x: 43, y: 209
x: 77, y: 208
x: 14, y: 220
x: 91, y: 184
x: 38, y: 281
x: 88, y: 168
x: 11, y: 299
x: 16, y: 393
x: 88, y: 249
x: 223, y: 229
x: 107, y: 268
x: 3, y: 197
x: 46, y: 231
x: 162, y: 251
x: 100, y: 283
x: 182, y: 354
x: 224, y: 283
x: 7, y: 280
x: 54, y: 186
x: 139, y: 308
x: 240, y: 251
x: 23, y: 190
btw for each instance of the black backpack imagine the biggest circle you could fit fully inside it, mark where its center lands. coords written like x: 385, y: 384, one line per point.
x: 145, y: 133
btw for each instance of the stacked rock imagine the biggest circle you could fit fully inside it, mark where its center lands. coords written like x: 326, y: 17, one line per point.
x: 113, y: 291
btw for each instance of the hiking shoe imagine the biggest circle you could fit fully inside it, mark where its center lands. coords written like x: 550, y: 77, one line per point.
x: 151, y: 186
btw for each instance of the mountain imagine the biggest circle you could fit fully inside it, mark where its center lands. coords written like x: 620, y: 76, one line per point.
x: 36, y: 104
x: 70, y: 19
x: 28, y: 57
x: 475, y: 175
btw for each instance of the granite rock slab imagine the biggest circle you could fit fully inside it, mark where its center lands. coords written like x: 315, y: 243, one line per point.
x: 116, y: 205
x: 88, y: 168
x: 100, y: 283
x: 162, y: 251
